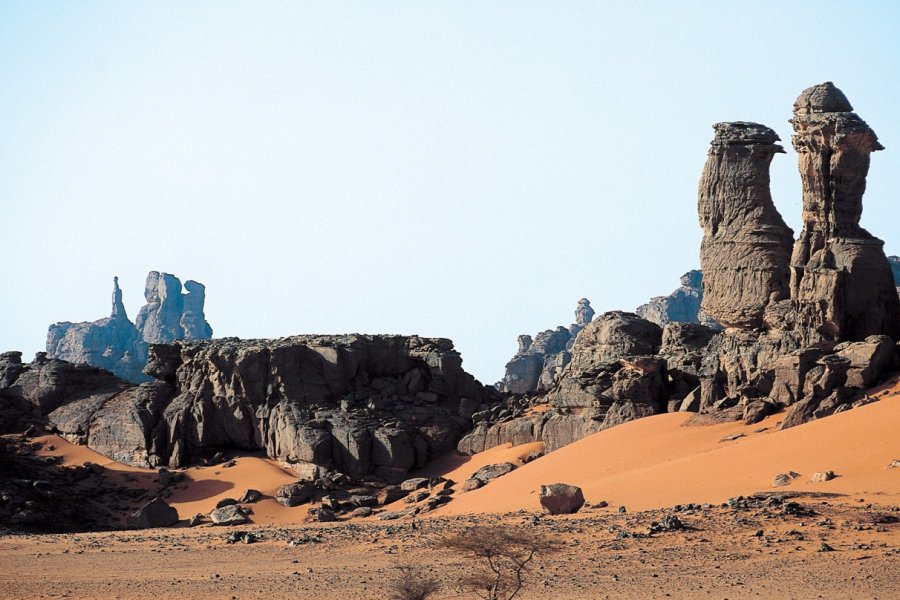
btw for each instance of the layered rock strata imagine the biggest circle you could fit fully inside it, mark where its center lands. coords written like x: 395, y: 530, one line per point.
x: 539, y: 360
x: 120, y: 346
x: 364, y: 405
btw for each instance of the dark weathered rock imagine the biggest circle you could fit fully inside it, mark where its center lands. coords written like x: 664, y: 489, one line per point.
x: 156, y: 513
x: 561, y: 498
x: 117, y: 345
x: 294, y: 494
x: 251, y: 496
x: 490, y: 472
x: 230, y: 514
x: 746, y: 245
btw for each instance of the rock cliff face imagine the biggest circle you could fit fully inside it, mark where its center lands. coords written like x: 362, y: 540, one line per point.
x: 681, y: 306
x: 538, y: 362
x: 365, y: 405
x: 118, y: 345
x: 746, y: 245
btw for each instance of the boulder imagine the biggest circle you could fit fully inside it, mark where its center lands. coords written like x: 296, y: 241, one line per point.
x: 822, y: 476
x: 561, y: 498
x: 231, y: 514
x: 156, y: 513
x: 294, y: 494
x: 489, y: 472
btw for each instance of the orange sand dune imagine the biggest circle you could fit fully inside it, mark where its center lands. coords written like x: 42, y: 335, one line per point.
x: 202, y: 487
x: 657, y: 462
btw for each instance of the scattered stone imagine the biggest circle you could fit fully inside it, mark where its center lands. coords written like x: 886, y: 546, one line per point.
x: 825, y: 548
x: 471, y: 484
x: 414, y: 484
x: 231, y: 514
x: 364, y: 501
x: 489, y: 472
x: 561, y: 498
x: 731, y: 438
x: 362, y: 512
x: 783, y: 479
x: 246, y: 537
x: 226, y: 502
x: 894, y: 464
x: 251, y: 496
x: 398, y: 514
x: 822, y: 476
x: 197, y: 519
x: 294, y: 494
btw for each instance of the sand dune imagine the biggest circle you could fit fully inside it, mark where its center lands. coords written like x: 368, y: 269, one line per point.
x: 202, y: 487
x: 645, y: 464
x: 656, y: 462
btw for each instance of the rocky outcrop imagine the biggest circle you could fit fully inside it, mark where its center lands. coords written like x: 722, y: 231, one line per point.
x: 745, y: 252
x: 364, y: 405
x: 615, y: 375
x: 120, y: 346
x: 833, y: 334
x: 797, y: 332
x: 681, y: 306
x: 538, y: 361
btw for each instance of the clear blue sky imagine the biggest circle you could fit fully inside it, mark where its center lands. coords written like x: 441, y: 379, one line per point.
x: 457, y: 169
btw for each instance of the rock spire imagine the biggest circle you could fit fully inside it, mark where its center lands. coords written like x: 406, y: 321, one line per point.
x: 746, y: 247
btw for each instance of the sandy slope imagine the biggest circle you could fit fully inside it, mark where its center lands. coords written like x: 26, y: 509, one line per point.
x: 202, y: 487
x: 656, y: 462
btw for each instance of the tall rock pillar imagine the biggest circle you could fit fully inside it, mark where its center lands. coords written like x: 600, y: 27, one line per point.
x: 841, y: 283
x: 746, y: 248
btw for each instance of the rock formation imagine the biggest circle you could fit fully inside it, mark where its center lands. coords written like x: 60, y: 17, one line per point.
x: 806, y: 331
x: 746, y: 245
x: 618, y: 372
x: 364, y: 405
x: 841, y: 283
x: 118, y: 345
x: 841, y: 300
x: 538, y: 361
x: 681, y: 306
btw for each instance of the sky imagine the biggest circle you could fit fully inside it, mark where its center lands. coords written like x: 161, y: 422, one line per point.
x: 464, y: 169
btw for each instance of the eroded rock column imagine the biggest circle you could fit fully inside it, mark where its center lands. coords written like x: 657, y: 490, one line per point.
x: 746, y: 245
x: 841, y: 283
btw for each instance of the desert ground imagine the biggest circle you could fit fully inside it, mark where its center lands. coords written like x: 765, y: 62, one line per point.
x: 741, y: 536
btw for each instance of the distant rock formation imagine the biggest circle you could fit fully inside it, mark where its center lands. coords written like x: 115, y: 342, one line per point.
x: 120, y: 346
x: 746, y: 245
x: 538, y: 361
x: 894, y: 261
x: 681, y: 306
x: 361, y: 404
